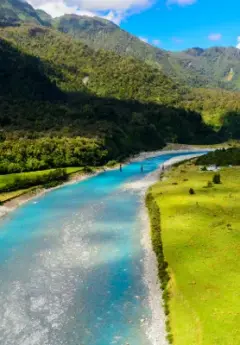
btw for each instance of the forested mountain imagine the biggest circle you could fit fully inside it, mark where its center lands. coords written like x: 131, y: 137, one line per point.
x: 122, y: 105
x: 14, y: 12
x: 54, y: 89
x: 196, y: 67
x: 76, y: 67
x: 218, y: 66
x: 214, y: 67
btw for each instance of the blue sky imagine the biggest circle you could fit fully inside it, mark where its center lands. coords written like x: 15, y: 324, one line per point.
x: 169, y: 24
x: 202, y: 24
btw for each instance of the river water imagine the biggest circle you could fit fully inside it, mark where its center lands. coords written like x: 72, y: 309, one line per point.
x: 71, y: 264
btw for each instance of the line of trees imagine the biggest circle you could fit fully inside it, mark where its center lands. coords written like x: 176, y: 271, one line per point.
x: 222, y: 157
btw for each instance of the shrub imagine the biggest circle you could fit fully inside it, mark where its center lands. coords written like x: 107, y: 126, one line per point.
x: 217, y: 179
x: 88, y: 170
x: 209, y: 184
x: 191, y: 191
x: 110, y: 164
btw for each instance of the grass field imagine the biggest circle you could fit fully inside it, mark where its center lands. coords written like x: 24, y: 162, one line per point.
x: 9, y: 178
x: 201, y: 243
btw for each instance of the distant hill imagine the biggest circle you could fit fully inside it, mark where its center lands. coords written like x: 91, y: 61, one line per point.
x: 218, y: 66
x: 214, y: 67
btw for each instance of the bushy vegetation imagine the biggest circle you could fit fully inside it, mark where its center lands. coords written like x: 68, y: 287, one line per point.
x: 219, y: 108
x: 46, y: 153
x: 217, y: 179
x: 223, y: 157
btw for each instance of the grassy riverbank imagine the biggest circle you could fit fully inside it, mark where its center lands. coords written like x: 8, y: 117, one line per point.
x: 9, y: 179
x: 201, y: 244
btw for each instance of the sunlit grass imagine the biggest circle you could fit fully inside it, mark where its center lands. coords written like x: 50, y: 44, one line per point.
x: 201, y: 240
x: 9, y: 178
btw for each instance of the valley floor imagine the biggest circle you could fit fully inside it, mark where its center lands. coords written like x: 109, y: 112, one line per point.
x: 201, y: 243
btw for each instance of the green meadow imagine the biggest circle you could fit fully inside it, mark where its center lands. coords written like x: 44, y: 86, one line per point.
x: 201, y: 243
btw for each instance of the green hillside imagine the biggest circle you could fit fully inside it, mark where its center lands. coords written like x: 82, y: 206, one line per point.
x: 218, y: 66
x: 13, y: 12
x: 214, y: 67
x: 118, y: 104
x: 196, y: 67
x: 75, y: 67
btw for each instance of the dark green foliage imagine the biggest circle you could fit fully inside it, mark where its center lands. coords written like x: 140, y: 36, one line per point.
x: 231, y: 123
x: 23, y: 76
x: 192, y: 191
x: 56, y: 96
x: 88, y: 170
x: 39, y: 154
x: 49, y: 180
x: 155, y: 219
x: 223, y: 157
x: 76, y: 68
x: 32, y: 110
x: 217, y: 179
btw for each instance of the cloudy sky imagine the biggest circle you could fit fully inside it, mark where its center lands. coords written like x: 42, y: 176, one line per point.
x: 170, y: 24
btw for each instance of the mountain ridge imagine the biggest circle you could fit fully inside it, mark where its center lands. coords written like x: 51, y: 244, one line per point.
x: 196, y: 67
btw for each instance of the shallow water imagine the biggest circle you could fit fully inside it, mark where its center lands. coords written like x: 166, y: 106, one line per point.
x: 71, y: 264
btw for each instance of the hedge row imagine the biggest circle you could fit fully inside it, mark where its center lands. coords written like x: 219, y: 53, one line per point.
x: 155, y: 220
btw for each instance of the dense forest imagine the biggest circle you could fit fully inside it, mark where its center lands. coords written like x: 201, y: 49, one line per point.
x: 222, y: 157
x: 214, y: 67
x: 46, y: 104
x: 65, y: 104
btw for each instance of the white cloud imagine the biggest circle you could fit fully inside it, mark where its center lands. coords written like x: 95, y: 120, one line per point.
x: 144, y: 39
x: 215, y: 37
x: 114, y: 10
x: 177, y: 40
x: 238, y: 42
x: 182, y: 2
x: 156, y: 42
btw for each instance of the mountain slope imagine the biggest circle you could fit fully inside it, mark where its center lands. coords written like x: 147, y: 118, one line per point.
x: 22, y: 76
x: 137, y: 109
x: 219, y: 66
x: 214, y: 67
x: 14, y: 12
x: 75, y: 67
x: 196, y: 67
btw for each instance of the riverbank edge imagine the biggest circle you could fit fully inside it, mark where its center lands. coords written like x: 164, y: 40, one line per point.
x: 162, y: 265
x: 156, y: 326
x: 38, y: 191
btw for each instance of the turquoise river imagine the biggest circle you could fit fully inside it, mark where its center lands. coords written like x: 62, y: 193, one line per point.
x: 71, y: 264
